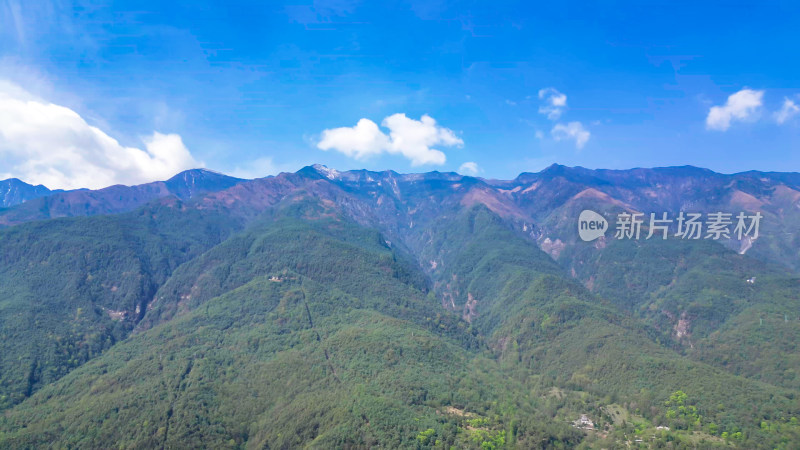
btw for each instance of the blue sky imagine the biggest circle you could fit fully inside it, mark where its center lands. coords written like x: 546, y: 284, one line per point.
x: 129, y: 91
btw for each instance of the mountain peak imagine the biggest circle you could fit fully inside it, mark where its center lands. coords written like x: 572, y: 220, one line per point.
x: 14, y: 191
x: 200, y: 172
x: 327, y: 172
x: 191, y: 182
x: 555, y: 167
x: 317, y: 171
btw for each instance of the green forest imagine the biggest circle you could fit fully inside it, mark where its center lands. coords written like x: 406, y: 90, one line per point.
x: 178, y: 326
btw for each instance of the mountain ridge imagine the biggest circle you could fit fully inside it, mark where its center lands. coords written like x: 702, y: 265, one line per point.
x: 112, y: 199
x: 189, y: 176
x: 14, y: 191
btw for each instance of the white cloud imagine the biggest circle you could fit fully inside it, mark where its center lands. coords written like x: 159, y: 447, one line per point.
x: 740, y: 106
x: 571, y: 131
x: 555, y: 103
x: 410, y: 138
x: 44, y: 143
x: 788, y: 110
x: 359, y: 142
x: 469, y: 168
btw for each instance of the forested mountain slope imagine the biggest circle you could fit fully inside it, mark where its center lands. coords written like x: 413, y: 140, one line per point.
x: 376, y: 309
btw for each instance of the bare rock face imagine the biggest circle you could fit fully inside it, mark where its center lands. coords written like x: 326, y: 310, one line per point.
x: 470, y: 308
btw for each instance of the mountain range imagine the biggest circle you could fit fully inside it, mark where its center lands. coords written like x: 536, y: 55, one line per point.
x: 38, y: 203
x: 359, y: 309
